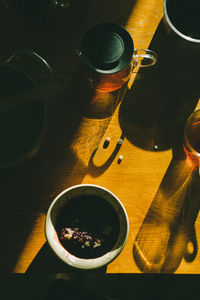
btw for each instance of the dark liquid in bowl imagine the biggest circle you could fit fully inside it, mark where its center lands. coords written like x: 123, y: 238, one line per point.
x: 184, y: 15
x: 93, y: 215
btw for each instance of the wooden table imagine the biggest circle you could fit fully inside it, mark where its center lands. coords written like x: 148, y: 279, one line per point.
x: 154, y: 181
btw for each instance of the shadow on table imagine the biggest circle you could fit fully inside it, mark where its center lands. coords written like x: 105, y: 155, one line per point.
x: 154, y: 111
x: 152, y: 117
x: 167, y: 234
x: 67, y: 156
x: 109, y: 107
x: 47, y: 262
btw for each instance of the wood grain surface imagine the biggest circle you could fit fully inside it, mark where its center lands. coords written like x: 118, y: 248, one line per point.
x: 154, y: 181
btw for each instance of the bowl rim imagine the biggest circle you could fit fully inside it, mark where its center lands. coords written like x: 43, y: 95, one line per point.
x: 81, y: 263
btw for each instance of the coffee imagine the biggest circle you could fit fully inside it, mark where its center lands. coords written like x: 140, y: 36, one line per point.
x: 88, y: 226
x: 184, y: 15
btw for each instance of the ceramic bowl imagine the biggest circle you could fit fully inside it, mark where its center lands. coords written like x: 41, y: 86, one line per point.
x: 55, y: 210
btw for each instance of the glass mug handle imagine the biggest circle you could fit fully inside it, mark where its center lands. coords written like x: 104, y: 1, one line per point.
x: 144, y: 58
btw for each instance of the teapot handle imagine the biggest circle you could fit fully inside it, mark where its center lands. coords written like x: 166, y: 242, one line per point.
x: 19, y: 60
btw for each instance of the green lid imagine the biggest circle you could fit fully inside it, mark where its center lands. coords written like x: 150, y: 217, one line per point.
x: 107, y: 48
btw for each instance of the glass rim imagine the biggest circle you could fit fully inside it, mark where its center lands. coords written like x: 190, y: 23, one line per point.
x: 188, y: 126
x: 180, y: 34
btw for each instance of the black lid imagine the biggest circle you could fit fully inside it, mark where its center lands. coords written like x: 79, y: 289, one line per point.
x: 107, y: 48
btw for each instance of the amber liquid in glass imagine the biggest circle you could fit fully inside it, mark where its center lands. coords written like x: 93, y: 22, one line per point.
x: 107, y: 82
x: 194, y: 141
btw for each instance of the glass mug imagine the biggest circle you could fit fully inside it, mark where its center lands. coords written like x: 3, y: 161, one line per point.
x: 181, y: 20
x: 191, y: 142
x: 108, y: 57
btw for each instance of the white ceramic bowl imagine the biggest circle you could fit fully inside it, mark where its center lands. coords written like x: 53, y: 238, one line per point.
x: 56, y: 206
